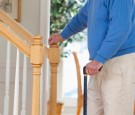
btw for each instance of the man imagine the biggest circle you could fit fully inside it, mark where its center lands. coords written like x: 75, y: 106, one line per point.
x: 111, y: 45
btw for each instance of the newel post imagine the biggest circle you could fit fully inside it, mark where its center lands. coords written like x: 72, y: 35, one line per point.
x: 36, y: 59
x: 54, y: 58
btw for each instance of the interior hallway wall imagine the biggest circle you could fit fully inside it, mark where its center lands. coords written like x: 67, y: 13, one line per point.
x: 31, y: 15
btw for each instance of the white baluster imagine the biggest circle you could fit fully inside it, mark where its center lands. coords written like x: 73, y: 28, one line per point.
x: 16, y: 89
x: 24, y: 86
x: 7, y: 84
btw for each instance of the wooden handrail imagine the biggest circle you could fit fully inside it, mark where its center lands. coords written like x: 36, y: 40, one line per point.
x: 6, y: 33
x: 16, y: 27
x: 80, y: 95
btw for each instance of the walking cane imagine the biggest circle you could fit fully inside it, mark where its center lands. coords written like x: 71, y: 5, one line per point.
x: 85, y: 92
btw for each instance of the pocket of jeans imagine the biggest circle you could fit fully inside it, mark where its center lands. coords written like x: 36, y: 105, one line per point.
x: 114, y: 67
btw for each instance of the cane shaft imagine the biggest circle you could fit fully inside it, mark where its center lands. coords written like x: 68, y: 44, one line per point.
x: 85, y: 93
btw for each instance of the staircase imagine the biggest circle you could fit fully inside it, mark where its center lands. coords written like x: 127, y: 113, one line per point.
x: 35, y: 52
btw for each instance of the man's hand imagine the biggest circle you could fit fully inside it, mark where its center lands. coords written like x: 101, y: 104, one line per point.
x: 93, y: 67
x: 55, y: 38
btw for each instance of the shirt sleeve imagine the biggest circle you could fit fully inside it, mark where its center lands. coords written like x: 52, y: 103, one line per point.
x: 120, y: 19
x: 77, y: 24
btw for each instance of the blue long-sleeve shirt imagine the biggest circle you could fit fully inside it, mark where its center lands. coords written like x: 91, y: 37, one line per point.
x: 111, y: 28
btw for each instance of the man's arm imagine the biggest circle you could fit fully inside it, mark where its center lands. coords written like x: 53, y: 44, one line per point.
x: 120, y: 12
x: 77, y: 24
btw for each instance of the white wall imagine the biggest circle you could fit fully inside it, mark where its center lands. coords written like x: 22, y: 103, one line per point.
x: 30, y: 15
